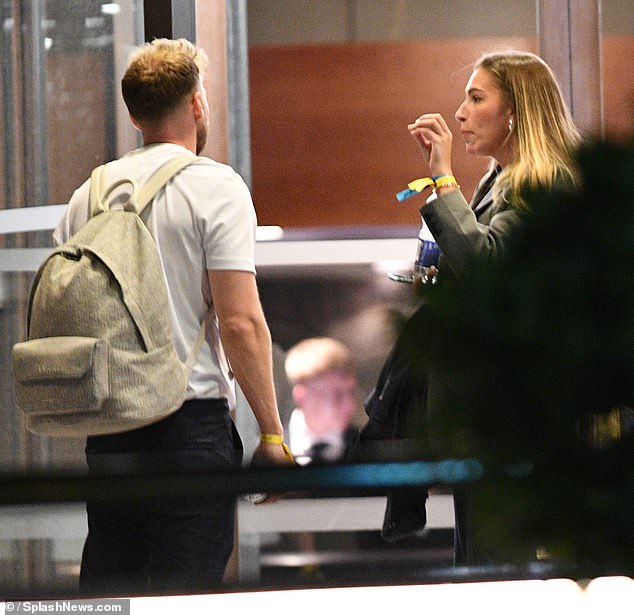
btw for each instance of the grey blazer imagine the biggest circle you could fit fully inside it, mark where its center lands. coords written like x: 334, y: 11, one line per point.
x: 464, y: 230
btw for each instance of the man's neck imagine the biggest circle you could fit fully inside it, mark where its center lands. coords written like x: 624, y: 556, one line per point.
x: 156, y: 138
x: 177, y: 128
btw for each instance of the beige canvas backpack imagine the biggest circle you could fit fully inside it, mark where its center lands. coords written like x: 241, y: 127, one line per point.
x: 100, y: 355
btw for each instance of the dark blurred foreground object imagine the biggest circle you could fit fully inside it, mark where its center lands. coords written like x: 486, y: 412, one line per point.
x: 534, y: 355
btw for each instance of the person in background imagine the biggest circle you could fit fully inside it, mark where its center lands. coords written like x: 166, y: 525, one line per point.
x: 514, y: 114
x: 204, y: 224
x: 326, y: 394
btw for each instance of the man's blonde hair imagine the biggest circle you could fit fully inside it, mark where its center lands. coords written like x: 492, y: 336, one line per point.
x: 315, y: 356
x: 546, y: 135
x: 160, y: 76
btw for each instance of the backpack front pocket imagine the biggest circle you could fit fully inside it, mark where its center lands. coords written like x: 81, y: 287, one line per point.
x: 60, y: 375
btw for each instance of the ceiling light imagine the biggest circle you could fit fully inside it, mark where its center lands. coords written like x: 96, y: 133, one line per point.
x: 111, y: 8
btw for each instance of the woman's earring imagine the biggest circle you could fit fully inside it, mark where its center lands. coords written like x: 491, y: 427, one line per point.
x: 511, y: 125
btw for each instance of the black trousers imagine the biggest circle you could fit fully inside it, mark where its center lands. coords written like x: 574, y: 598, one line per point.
x: 159, y: 546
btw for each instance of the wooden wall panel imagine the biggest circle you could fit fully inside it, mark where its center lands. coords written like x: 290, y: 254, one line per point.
x: 76, y: 108
x: 329, y: 126
x: 211, y: 36
x: 618, y: 87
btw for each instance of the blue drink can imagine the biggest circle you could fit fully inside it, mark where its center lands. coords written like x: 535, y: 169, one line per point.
x: 428, y: 254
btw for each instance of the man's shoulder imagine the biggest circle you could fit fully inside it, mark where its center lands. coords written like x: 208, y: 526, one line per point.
x: 154, y: 155
x: 141, y: 163
x: 213, y: 168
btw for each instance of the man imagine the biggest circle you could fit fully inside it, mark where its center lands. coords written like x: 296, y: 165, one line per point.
x: 204, y: 225
x: 326, y: 395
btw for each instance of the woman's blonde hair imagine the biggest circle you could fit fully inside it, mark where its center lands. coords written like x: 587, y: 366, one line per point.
x: 546, y: 135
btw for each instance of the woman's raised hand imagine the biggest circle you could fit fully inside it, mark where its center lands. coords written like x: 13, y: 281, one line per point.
x: 431, y: 132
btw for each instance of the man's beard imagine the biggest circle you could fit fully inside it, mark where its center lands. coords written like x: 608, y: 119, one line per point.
x: 201, y: 137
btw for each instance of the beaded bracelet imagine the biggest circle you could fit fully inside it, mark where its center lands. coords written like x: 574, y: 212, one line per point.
x: 445, y: 180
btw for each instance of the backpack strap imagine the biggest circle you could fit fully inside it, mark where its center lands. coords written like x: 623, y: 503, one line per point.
x: 214, y: 339
x: 160, y: 177
x: 144, y: 197
x: 139, y: 198
x: 99, y: 195
x: 192, y: 357
x: 97, y: 188
x: 138, y: 201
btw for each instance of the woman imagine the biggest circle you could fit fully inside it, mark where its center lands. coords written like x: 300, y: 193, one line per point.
x: 513, y: 113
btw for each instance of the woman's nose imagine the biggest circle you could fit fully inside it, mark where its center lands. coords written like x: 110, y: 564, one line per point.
x: 460, y: 113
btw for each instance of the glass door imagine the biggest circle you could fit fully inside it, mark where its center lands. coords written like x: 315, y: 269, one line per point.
x: 59, y: 117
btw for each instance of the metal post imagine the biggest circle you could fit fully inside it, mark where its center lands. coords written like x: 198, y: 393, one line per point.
x: 35, y: 135
x: 184, y: 19
x: 569, y: 40
x: 169, y: 19
x: 7, y: 76
x: 238, y: 89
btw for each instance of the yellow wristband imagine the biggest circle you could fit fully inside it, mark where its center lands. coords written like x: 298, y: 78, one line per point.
x: 418, y: 185
x: 273, y: 438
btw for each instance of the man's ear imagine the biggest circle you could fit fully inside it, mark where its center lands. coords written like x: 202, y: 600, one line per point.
x: 197, y: 105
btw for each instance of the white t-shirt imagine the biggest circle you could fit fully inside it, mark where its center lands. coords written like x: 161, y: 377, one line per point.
x: 302, y: 439
x: 203, y: 219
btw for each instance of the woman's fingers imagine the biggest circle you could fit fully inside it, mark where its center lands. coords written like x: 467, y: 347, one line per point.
x: 432, y: 133
x: 430, y: 124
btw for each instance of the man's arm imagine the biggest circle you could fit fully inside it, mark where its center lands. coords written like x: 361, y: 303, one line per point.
x: 247, y: 342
